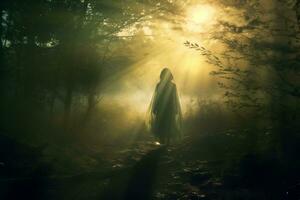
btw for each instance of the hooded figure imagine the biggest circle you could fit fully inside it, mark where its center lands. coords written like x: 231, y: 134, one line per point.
x: 165, y: 116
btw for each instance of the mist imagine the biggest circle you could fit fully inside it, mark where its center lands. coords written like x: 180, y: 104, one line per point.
x: 156, y: 99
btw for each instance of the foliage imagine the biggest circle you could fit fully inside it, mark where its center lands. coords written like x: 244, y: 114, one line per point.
x: 259, y: 63
x: 54, y: 51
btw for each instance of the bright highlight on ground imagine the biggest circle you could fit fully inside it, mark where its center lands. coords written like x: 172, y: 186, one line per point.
x: 157, y: 143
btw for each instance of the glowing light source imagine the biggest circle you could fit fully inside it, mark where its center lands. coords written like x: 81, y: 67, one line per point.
x: 199, y: 17
x: 166, y: 48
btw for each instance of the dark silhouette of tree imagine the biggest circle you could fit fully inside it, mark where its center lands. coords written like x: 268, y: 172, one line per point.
x: 54, y: 50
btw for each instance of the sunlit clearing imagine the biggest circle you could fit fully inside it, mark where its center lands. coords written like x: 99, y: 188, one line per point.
x: 199, y: 17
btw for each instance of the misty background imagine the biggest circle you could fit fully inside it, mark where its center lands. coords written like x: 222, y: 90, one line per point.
x: 77, y: 78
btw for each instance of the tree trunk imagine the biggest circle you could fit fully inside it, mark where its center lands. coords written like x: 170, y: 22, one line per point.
x: 67, y: 107
x: 52, y: 104
x: 91, y: 103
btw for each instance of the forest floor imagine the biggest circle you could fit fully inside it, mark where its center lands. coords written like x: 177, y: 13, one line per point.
x: 145, y: 170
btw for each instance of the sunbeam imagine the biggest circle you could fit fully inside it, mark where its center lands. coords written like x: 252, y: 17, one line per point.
x: 164, y: 47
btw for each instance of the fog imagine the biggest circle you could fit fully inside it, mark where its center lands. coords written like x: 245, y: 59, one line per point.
x: 89, y: 107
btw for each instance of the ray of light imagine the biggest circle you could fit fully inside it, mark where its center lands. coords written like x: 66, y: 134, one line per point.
x: 135, y: 84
